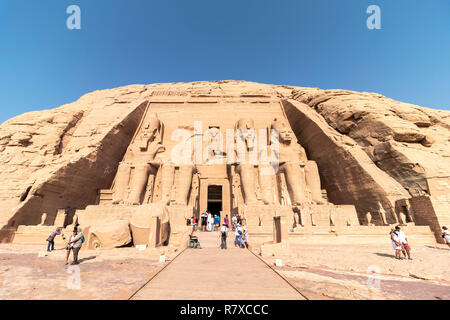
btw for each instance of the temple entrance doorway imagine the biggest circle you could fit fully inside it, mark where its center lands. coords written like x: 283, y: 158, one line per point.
x: 215, y: 199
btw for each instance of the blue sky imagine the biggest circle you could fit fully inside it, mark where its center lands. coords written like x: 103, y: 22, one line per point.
x: 317, y: 43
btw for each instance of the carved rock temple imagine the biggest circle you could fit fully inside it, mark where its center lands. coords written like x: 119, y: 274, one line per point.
x: 298, y: 165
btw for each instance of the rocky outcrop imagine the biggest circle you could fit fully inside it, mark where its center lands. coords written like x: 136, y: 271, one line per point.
x: 346, y: 171
x: 59, y: 158
x: 408, y: 142
x: 369, y: 148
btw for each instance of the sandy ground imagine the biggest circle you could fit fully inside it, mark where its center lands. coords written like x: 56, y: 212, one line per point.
x: 209, y: 265
x: 367, y: 272
x: 318, y: 271
x: 103, y: 274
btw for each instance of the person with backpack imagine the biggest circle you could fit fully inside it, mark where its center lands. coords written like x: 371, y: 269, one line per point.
x: 74, y: 245
x: 223, y: 236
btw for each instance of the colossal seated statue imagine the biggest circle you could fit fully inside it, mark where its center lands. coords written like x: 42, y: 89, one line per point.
x: 246, y: 159
x: 142, y: 156
x: 301, y: 175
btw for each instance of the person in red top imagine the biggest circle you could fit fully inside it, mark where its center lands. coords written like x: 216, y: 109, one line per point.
x: 226, y: 222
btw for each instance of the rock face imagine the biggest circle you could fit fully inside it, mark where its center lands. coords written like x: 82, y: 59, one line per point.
x: 382, y: 156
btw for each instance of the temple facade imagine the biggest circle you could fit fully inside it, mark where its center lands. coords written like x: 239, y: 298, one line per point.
x: 270, y: 160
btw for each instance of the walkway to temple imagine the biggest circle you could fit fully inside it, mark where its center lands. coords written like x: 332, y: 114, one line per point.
x: 212, y: 273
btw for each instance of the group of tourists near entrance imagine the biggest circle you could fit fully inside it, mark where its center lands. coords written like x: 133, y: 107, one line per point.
x: 241, y: 237
x: 211, y: 222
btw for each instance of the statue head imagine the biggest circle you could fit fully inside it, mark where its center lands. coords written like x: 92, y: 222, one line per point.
x: 151, y: 128
x: 284, y: 130
x: 245, y: 124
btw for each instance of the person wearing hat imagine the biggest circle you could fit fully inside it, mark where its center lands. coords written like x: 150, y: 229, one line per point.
x: 74, y: 245
x: 223, y: 236
x: 406, y: 249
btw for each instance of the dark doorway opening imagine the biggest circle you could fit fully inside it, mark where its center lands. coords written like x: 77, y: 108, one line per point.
x: 215, y: 200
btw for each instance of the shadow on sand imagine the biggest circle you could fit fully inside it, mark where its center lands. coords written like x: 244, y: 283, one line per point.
x: 437, y: 248
x: 86, y: 259
x: 385, y: 255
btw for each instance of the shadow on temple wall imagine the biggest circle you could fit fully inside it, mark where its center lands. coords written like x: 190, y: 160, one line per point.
x: 76, y: 184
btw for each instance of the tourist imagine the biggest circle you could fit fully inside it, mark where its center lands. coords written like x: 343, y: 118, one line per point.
x: 204, y: 220
x: 216, y: 222
x: 396, y: 243
x: 406, y: 250
x: 238, y: 239
x: 51, y: 239
x: 226, y: 221
x: 69, y: 245
x: 233, y: 222
x: 238, y: 220
x: 246, y: 237
x: 446, y: 236
x: 210, y: 221
x: 74, y: 245
x: 194, y: 223
x: 223, y: 236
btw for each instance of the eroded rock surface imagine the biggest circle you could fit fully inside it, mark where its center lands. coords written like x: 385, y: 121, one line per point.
x: 369, y: 149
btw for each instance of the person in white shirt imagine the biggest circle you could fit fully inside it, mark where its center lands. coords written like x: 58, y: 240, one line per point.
x: 396, y: 243
x: 446, y: 236
x: 210, y: 222
x: 406, y: 249
x: 233, y: 222
x: 223, y: 236
x: 246, y: 238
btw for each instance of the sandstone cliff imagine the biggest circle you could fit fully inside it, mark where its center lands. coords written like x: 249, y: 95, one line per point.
x: 369, y: 148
